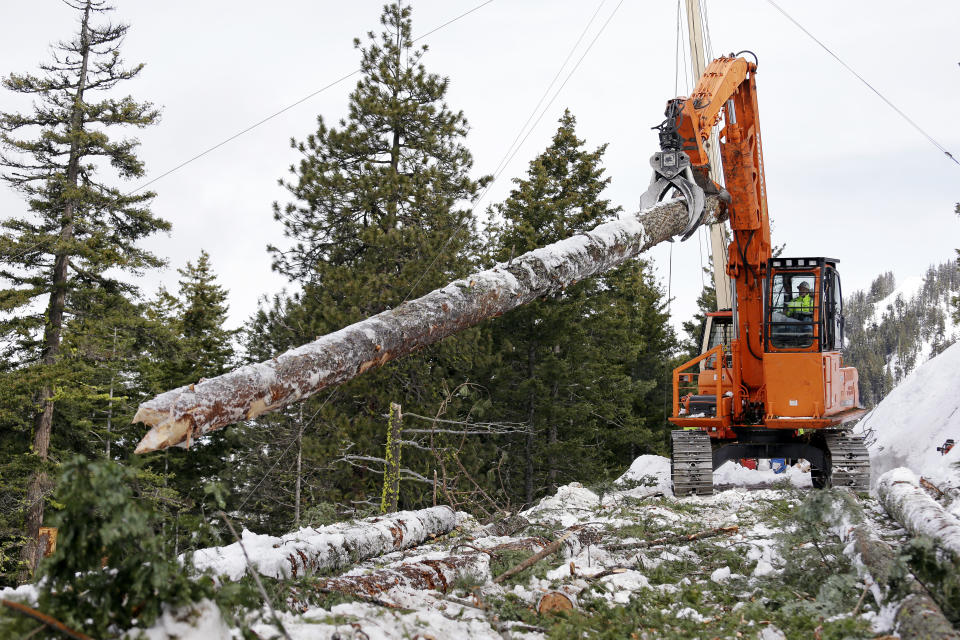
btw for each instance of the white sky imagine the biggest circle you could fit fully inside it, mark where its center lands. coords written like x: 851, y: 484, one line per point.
x: 847, y: 178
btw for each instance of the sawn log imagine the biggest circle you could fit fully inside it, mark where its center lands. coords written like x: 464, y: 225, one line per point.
x: 176, y: 417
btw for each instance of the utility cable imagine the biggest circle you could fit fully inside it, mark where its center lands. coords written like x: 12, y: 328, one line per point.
x: 510, y: 157
x: 291, y: 106
x: 546, y: 91
x: 676, y: 57
x: 284, y: 452
x: 864, y: 81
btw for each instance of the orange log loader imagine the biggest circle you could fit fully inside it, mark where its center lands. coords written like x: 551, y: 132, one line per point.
x: 770, y: 380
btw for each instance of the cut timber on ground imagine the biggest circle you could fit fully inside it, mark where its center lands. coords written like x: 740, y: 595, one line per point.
x: 182, y: 415
x: 328, y: 548
x: 437, y: 574
x: 918, y: 617
x: 900, y: 494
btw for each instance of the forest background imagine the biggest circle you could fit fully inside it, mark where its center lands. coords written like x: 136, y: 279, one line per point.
x: 378, y: 208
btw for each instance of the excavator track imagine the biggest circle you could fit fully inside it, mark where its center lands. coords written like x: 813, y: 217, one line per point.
x: 691, y: 463
x: 849, y: 460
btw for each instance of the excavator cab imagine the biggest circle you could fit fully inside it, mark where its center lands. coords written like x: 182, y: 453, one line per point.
x: 803, y: 341
x: 804, y: 306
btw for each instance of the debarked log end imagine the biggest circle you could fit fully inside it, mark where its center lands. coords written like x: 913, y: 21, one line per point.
x: 164, y: 431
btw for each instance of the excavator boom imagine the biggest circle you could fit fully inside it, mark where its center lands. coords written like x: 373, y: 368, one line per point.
x: 777, y: 387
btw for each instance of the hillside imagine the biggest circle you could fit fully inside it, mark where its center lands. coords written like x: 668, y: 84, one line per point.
x: 893, y: 327
x: 916, y: 418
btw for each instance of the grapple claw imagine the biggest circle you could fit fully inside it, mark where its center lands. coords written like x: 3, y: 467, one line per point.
x: 671, y: 170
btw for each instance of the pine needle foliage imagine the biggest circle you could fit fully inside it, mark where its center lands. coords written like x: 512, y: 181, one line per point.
x: 379, y: 211
x: 79, y: 231
x: 580, y: 369
x: 109, y: 573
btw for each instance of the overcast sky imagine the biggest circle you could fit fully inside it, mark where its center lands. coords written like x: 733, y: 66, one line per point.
x: 846, y: 177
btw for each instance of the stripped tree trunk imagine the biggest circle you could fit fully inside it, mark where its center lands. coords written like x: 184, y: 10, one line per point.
x: 182, y: 414
x: 326, y: 548
x: 918, y: 617
x: 901, y: 495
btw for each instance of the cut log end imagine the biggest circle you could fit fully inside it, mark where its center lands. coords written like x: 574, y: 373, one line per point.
x: 554, y: 601
x: 163, y: 433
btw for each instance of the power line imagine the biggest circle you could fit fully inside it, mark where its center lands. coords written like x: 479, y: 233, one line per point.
x: 864, y: 81
x: 503, y: 165
x: 291, y: 106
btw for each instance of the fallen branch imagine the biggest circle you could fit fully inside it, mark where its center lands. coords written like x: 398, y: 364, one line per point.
x: 926, y: 484
x: 507, y: 525
x: 680, y: 537
x: 188, y: 412
x: 40, y: 616
x: 606, y: 572
x: 535, y: 558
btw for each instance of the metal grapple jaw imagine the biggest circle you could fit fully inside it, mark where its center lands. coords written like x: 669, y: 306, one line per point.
x: 671, y: 170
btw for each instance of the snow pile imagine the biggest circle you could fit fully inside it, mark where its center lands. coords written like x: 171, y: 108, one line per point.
x: 648, y: 475
x: 737, y: 475
x: 918, y: 416
x: 565, y: 506
x: 199, y: 620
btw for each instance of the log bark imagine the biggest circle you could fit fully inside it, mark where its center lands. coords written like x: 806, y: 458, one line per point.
x: 328, y: 548
x: 438, y: 575
x: 918, y: 616
x: 180, y: 415
x: 900, y: 494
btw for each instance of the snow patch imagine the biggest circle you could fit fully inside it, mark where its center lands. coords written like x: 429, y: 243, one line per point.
x: 198, y: 620
x: 721, y: 575
x: 565, y: 506
x: 918, y: 416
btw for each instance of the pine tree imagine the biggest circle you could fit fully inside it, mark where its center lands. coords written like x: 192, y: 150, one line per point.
x: 379, y: 212
x: 79, y: 229
x: 569, y: 367
x: 191, y: 342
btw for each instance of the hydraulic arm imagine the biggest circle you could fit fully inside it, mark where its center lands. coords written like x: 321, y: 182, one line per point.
x: 775, y: 385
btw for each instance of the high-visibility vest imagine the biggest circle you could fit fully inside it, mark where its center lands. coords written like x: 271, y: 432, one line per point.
x: 802, y: 304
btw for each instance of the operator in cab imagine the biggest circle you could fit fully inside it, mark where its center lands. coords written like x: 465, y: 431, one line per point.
x: 802, y: 303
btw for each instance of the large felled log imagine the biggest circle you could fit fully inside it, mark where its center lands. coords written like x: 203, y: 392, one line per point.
x: 900, y: 493
x: 178, y: 416
x: 326, y: 548
x: 918, y: 616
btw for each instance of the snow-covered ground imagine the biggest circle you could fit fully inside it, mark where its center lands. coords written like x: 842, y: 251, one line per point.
x: 683, y: 558
x: 700, y: 566
x: 917, y: 417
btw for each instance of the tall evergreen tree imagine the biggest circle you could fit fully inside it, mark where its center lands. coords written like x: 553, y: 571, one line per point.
x: 379, y: 212
x: 191, y: 342
x: 79, y: 229
x: 572, y: 367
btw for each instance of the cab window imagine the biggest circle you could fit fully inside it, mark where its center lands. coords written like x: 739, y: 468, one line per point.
x: 791, y: 310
